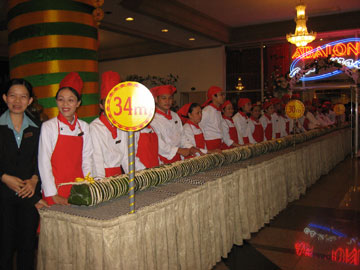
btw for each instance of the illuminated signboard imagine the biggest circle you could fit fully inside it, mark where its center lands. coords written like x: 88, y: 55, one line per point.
x: 345, y: 52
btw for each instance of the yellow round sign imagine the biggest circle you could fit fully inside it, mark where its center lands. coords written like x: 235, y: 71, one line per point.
x: 130, y: 106
x: 339, y: 109
x: 295, y: 109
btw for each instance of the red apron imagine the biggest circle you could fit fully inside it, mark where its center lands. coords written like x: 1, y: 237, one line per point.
x: 148, y: 149
x: 246, y: 140
x: 113, y: 171
x: 268, y: 129
x: 199, y: 141
x: 258, y: 134
x: 66, y: 162
x: 213, y: 144
x: 233, y: 134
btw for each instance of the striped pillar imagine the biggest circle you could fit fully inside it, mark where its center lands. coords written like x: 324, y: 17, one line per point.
x: 48, y: 39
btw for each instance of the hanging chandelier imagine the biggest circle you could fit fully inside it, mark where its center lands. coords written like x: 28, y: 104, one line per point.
x: 301, y: 37
x: 239, y: 85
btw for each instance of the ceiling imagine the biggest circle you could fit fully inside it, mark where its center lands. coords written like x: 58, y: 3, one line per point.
x: 211, y: 22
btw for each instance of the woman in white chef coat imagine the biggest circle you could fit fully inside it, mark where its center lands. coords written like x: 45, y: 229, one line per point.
x: 193, y: 138
x: 266, y: 121
x: 230, y: 138
x: 241, y: 120
x: 65, y: 147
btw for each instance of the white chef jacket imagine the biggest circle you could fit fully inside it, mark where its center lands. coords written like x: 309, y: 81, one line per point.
x: 211, y: 123
x: 47, y: 142
x: 324, y: 119
x: 300, y: 123
x: 313, y: 122
x: 264, y: 122
x: 275, y: 118
x: 169, y: 133
x: 138, y: 164
x: 108, y: 152
x: 283, y: 120
x: 332, y: 116
x: 241, y: 122
x: 226, y: 125
x: 188, y: 140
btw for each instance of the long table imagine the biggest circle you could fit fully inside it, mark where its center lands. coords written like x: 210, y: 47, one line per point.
x: 189, y: 223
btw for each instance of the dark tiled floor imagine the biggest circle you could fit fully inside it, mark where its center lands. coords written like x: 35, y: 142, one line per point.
x: 320, y: 231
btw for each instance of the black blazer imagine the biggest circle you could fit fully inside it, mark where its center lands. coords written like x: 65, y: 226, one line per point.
x: 20, y: 162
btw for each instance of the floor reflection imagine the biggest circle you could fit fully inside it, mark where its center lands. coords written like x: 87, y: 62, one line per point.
x: 320, y: 231
x: 327, y: 243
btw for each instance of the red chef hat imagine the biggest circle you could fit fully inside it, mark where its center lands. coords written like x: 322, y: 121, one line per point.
x: 108, y: 80
x: 227, y: 102
x: 183, y: 112
x: 163, y: 90
x: 211, y: 91
x: 243, y: 101
x: 275, y: 101
x: 72, y: 80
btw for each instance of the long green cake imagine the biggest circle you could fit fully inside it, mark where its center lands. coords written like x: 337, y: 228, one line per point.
x: 109, y: 188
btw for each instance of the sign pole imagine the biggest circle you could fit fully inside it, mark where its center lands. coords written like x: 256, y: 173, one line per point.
x: 131, y: 145
x: 130, y: 106
x: 294, y: 122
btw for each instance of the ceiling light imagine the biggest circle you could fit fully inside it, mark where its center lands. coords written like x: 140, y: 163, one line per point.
x: 192, y: 38
x: 129, y: 19
x: 301, y: 37
x: 164, y: 30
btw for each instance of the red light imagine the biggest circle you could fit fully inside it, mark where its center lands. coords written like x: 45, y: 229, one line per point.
x: 304, y: 249
x: 346, y: 256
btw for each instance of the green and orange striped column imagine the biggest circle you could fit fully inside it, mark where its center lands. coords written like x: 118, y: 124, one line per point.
x: 48, y: 39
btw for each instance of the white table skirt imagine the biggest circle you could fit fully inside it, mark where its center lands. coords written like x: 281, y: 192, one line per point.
x: 195, y: 228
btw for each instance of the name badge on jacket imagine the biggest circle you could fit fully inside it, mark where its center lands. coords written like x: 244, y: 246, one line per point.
x: 28, y: 135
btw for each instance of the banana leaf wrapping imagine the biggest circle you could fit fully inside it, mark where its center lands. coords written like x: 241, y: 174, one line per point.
x: 112, y: 187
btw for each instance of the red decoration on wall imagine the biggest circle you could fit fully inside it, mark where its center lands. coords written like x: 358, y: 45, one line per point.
x: 278, y: 59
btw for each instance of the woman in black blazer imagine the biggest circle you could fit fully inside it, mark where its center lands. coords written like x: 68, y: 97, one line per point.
x: 19, y: 186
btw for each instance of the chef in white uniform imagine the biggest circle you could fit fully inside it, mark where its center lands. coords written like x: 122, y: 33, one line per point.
x: 110, y: 143
x: 65, y: 146
x: 241, y: 120
x: 167, y: 125
x: 212, y: 121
